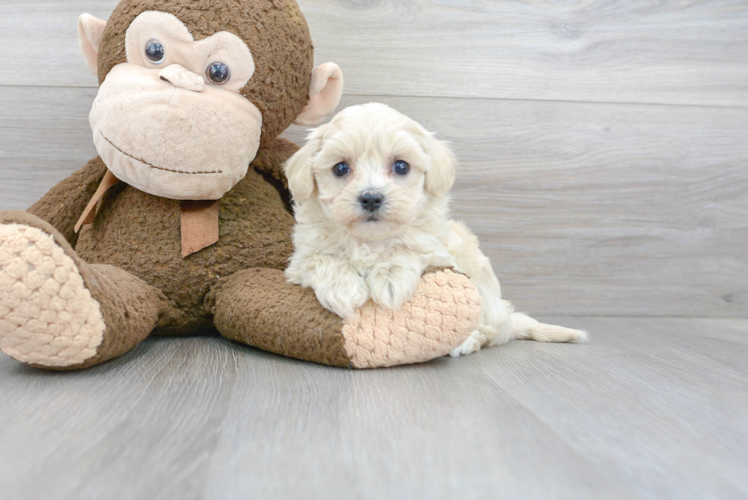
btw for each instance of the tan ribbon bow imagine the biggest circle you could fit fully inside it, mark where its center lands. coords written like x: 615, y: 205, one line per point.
x: 199, y: 219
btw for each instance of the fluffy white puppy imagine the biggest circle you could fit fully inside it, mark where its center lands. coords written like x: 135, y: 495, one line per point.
x: 372, y: 211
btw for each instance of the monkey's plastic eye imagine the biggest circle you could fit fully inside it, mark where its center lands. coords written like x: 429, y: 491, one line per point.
x: 400, y: 167
x: 154, y: 51
x: 218, y: 73
x: 341, y: 169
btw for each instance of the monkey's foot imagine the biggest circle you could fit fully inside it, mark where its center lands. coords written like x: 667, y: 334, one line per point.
x: 444, y: 311
x: 47, y: 315
x: 260, y: 308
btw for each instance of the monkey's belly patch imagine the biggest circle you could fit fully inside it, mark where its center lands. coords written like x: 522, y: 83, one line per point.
x: 47, y: 315
x: 443, y: 312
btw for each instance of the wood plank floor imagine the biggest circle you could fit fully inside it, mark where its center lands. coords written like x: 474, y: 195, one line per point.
x: 651, y: 408
x: 603, y: 149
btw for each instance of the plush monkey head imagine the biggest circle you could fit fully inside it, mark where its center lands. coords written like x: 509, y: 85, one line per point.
x: 190, y: 89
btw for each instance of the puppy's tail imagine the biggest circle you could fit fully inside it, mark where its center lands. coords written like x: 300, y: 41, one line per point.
x: 526, y: 328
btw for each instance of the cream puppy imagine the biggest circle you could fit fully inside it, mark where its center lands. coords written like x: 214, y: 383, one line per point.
x: 372, y: 211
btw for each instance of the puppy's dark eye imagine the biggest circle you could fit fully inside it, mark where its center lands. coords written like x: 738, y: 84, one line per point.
x: 400, y: 167
x: 218, y: 73
x: 341, y: 169
x: 154, y: 51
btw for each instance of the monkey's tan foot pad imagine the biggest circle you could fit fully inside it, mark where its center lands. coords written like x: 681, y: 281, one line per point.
x: 443, y: 312
x: 47, y: 315
x: 261, y: 308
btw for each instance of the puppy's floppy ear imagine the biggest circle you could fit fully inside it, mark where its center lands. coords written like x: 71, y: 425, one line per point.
x: 299, y: 171
x: 441, y: 173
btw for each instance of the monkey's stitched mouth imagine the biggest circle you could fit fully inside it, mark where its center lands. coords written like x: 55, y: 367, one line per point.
x: 154, y: 166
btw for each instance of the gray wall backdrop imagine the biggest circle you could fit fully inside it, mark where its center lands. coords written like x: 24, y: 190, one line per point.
x: 603, y: 146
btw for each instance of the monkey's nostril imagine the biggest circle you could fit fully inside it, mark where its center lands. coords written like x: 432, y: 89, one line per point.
x: 182, y: 78
x: 371, y: 201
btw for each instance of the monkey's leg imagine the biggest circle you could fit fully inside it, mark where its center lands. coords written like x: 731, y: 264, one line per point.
x: 260, y: 308
x: 60, y: 313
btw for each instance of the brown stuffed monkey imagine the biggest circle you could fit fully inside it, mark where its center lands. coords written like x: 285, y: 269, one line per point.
x: 182, y: 225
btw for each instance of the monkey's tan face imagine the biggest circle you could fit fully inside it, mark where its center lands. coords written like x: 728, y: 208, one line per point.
x: 171, y: 121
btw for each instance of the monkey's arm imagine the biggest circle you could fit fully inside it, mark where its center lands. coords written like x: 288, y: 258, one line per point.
x: 269, y: 163
x: 64, y: 203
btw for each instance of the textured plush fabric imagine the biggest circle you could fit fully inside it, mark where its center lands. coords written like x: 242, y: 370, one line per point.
x: 172, y: 142
x: 270, y: 160
x: 89, y: 213
x: 140, y: 233
x: 128, y: 307
x: 64, y: 203
x: 90, y: 31
x: 277, y: 88
x: 444, y: 309
x: 324, y: 94
x: 260, y: 308
x: 185, y: 58
x: 183, y: 79
x: 46, y: 313
x: 127, y: 264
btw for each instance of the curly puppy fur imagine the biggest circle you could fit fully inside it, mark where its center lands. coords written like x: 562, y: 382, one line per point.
x: 369, y: 229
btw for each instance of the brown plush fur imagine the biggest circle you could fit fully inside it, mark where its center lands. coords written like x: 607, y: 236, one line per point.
x: 140, y: 233
x: 129, y: 259
x: 134, y: 244
x: 130, y: 307
x: 68, y: 198
x: 245, y: 316
x: 274, y: 30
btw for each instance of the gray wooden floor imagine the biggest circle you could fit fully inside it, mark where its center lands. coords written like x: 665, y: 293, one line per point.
x: 653, y: 408
x: 603, y: 149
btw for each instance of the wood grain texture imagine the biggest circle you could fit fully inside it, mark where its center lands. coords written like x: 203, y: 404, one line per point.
x: 39, y: 39
x: 44, y: 136
x: 674, y: 51
x: 583, y: 208
x: 601, y: 208
x: 652, y: 408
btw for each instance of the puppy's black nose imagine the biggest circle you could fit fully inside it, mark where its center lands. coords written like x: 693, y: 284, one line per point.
x: 371, y: 201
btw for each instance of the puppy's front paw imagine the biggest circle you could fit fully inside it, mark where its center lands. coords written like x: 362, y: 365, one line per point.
x: 391, y: 285
x: 344, y: 297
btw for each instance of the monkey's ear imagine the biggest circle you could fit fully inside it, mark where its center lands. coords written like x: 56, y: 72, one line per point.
x: 325, y: 91
x: 90, y: 29
x: 299, y: 171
